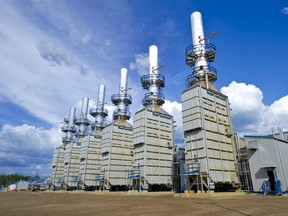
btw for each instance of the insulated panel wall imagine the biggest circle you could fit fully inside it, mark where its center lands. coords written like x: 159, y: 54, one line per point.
x: 117, y: 152
x: 57, y: 167
x: 90, y: 160
x: 208, y: 132
x: 153, y: 142
x: 71, y: 164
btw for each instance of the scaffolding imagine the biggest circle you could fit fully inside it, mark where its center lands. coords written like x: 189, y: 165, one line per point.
x: 195, y: 179
x: 102, y: 182
x: 192, y: 173
x: 134, y: 179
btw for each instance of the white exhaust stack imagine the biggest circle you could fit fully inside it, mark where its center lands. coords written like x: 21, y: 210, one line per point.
x: 100, y: 113
x: 153, y: 60
x: 101, y: 96
x: 200, y: 53
x: 69, y: 128
x: 198, y: 42
x: 72, y: 116
x: 197, y: 28
x: 83, y: 122
x: 84, y: 109
x: 122, y: 100
x: 123, y: 81
x: 154, y: 81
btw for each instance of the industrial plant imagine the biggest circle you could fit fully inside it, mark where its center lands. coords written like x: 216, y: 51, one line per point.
x: 117, y: 156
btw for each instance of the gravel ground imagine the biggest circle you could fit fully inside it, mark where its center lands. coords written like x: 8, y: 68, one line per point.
x: 91, y: 203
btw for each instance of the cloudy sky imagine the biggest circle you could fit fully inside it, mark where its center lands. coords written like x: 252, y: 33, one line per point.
x: 55, y: 52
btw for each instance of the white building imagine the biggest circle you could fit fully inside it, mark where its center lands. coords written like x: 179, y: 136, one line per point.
x: 268, y: 162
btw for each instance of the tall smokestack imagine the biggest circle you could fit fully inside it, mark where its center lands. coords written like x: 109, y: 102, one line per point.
x: 69, y: 128
x: 200, y: 53
x: 122, y: 100
x: 153, y: 60
x: 154, y: 81
x: 101, y: 96
x: 83, y: 122
x: 100, y: 113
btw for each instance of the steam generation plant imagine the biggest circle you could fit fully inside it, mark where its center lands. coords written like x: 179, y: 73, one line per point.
x: 118, y: 156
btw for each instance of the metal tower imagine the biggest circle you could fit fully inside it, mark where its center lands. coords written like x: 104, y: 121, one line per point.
x: 206, y: 119
x: 153, y: 134
x: 90, y: 155
x: 116, y: 147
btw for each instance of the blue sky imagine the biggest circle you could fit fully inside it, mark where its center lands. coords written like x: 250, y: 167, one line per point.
x: 53, y: 53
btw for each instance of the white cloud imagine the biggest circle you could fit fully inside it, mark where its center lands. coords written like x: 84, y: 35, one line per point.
x: 249, y: 114
x: 27, y: 149
x: 174, y: 108
x: 54, y: 54
x: 284, y: 10
x: 44, y: 90
x: 141, y: 64
x: 278, y: 113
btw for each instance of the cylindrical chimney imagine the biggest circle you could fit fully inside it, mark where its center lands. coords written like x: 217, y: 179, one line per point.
x: 101, y: 96
x: 123, y: 81
x: 72, y: 116
x: 153, y: 60
x: 197, y: 28
x: 84, y: 109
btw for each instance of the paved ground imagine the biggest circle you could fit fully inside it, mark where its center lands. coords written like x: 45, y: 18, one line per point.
x: 74, y: 203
